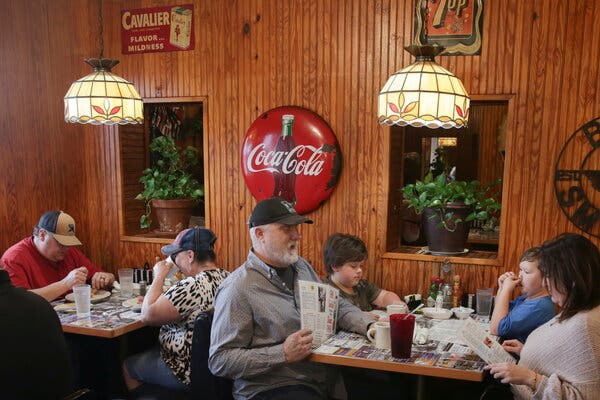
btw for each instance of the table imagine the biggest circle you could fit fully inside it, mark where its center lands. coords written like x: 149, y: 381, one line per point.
x: 108, y: 319
x: 445, y: 356
x: 99, y: 343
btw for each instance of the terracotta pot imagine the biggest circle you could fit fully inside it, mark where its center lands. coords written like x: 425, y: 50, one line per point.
x: 172, y: 215
x: 442, y: 241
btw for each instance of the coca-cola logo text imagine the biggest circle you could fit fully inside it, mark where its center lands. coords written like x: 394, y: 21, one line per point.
x: 262, y: 160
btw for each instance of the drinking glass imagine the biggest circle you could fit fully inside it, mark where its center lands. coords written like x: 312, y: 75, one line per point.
x: 402, y: 327
x: 82, y: 296
x: 484, y: 302
x: 126, y: 281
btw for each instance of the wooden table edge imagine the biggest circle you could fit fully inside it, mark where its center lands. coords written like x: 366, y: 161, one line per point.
x: 105, y: 333
x: 439, y: 372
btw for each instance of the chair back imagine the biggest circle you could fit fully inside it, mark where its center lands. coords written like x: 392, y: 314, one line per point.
x: 204, y: 384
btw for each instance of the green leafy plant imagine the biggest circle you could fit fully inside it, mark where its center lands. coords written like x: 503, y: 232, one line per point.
x: 436, y: 193
x: 170, y: 177
x: 439, y: 164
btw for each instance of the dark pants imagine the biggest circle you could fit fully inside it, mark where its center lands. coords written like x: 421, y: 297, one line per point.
x: 364, y: 383
x: 293, y: 392
x: 96, y: 361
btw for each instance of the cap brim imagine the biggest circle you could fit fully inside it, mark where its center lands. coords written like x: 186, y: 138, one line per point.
x: 294, y: 219
x: 170, y: 249
x: 65, y: 240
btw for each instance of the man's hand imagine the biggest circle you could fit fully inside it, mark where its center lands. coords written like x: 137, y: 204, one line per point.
x: 78, y: 276
x: 298, y: 345
x: 512, y: 346
x: 102, y: 280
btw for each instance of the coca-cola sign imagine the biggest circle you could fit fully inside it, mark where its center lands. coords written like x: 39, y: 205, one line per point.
x: 292, y: 153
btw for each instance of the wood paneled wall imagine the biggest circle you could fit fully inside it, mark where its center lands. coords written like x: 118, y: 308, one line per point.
x: 331, y: 56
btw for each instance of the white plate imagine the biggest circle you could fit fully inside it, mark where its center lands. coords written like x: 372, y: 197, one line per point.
x: 134, y: 303
x: 96, y: 297
x: 436, y: 313
x: 462, y: 312
x: 65, y: 307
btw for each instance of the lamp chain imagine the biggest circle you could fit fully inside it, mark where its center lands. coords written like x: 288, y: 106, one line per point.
x: 426, y: 16
x: 100, y: 29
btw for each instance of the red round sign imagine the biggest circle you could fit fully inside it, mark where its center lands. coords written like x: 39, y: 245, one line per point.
x: 292, y: 153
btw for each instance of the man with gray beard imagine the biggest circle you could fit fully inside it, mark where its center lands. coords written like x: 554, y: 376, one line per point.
x: 256, y: 338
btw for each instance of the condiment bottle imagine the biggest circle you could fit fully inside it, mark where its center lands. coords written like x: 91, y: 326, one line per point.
x: 457, y: 292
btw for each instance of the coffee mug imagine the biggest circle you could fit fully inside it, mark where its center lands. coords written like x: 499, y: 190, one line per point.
x: 397, y: 309
x: 379, y: 334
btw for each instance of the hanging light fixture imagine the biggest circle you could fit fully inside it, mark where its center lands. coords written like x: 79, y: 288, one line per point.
x: 103, y: 98
x: 424, y: 93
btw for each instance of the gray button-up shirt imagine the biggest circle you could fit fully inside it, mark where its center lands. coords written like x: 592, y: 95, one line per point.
x: 254, y: 314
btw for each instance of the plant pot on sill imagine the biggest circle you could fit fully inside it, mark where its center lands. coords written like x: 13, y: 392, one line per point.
x: 441, y: 241
x: 172, y: 215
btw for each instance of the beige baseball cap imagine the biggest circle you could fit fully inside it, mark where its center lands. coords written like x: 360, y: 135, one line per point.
x: 61, y: 225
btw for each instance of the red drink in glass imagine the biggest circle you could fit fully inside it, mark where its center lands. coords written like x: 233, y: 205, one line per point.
x: 401, y: 332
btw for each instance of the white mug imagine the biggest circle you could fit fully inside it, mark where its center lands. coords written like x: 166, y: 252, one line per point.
x: 379, y: 334
x: 397, y: 309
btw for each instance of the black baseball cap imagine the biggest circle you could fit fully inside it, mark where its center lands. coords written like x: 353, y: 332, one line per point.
x: 196, y: 239
x: 273, y: 210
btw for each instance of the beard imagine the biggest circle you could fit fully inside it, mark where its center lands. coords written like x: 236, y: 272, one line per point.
x: 284, y: 256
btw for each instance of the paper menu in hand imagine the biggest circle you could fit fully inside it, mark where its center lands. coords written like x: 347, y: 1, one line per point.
x: 484, y: 344
x: 318, y: 309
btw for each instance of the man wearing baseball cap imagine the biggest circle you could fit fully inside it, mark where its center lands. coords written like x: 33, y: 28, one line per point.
x: 256, y: 338
x: 47, y: 263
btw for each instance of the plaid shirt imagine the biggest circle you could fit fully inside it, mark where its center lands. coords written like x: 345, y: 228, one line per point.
x: 254, y: 314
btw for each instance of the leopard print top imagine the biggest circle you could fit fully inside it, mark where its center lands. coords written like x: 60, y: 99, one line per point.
x: 190, y: 297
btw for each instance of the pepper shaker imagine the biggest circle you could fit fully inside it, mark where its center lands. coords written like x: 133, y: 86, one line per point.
x: 142, y: 288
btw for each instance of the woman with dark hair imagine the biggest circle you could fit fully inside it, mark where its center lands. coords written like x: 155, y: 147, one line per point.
x: 561, y: 359
x: 175, y: 310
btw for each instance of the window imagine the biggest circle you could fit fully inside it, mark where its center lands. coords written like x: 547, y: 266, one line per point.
x: 180, y: 118
x: 473, y: 153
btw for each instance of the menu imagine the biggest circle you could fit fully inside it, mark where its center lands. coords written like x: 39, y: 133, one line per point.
x: 318, y: 309
x: 484, y: 344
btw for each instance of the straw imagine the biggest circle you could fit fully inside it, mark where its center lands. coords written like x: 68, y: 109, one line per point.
x: 413, y: 311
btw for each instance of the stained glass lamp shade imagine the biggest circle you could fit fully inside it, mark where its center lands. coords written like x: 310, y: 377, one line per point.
x: 424, y: 94
x: 103, y: 98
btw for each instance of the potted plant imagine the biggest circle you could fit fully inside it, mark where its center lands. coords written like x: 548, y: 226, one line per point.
x: 449, y: 207
x: 169, y: 186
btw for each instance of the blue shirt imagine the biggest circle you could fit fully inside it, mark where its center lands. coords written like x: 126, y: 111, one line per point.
x: 525, y: 316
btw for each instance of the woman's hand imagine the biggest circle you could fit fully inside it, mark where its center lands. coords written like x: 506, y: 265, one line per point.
x: 512, y: 346
x: 161, y: 269
x: 511, y: 373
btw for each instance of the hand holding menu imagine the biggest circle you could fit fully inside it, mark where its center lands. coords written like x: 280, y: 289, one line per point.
x: 318, y: 309
x: 483, y: 344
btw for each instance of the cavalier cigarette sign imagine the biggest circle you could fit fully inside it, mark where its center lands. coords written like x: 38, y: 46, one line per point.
x: 149, y: 30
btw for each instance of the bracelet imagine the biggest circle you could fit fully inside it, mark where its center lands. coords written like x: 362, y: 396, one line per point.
x: 534, y: 386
